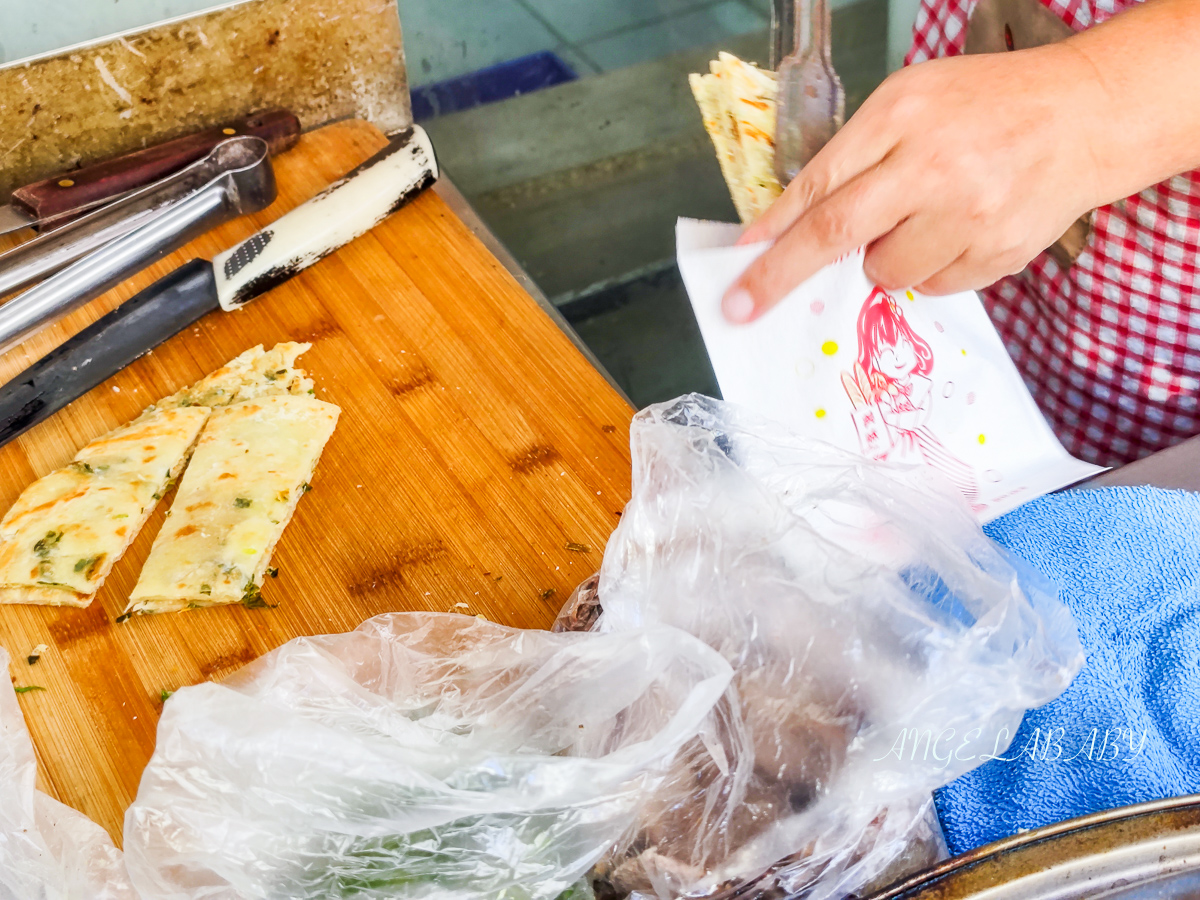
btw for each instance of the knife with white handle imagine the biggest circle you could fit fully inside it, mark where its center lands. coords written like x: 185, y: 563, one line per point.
x: 333, y: 218
x: 343, y: 211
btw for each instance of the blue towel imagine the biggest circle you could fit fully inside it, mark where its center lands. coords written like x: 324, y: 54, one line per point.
x: 1127, y: 730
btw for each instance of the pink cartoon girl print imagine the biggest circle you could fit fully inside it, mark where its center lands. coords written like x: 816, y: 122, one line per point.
x: 891, y: 394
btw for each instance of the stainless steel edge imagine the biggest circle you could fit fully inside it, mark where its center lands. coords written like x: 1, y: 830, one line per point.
x: 462, y: 208
x: 1091, y: 856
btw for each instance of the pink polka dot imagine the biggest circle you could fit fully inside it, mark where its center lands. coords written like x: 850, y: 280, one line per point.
x: 817, y: 307
x: 970, y: 398
x: 938, y: 326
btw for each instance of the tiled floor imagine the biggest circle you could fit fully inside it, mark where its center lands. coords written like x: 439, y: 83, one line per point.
x: 579, y: 21
x: 445, y: 38
x: 672, y: 34
x: 643, y: 332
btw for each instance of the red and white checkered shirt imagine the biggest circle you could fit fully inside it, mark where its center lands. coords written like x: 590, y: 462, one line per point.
x: 1110, y: 348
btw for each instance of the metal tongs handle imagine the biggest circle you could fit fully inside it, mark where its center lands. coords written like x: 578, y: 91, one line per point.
x: 811, y: 103
x: 234, y: 179
x: 53, y: 251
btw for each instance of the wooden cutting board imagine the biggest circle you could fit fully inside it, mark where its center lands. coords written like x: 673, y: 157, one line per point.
x: 479, y: 466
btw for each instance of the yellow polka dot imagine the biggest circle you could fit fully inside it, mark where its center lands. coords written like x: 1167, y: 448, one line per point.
x: 909, y: 295
x: 228, y: 131
x: 829, y: 348
x: 66, y: 182
x: 983, y: 439
x: 820, y: 413
x: 964, y: 353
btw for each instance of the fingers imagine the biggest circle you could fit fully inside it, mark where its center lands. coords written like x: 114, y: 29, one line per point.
x: 795, y: 200
x: 916, y: 250
x: 857, y: 147
x: 935, y: 258
x: 865, y: 208
x: 970, y: 272
x: 953, y: 279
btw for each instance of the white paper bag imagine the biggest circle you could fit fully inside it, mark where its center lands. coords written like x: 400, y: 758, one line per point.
x: 901, y: 377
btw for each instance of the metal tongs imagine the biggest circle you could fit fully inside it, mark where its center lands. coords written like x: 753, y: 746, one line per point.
x: 811, y: 102
x: 103, y: 248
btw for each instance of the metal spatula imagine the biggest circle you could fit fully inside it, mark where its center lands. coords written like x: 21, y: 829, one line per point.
x: 812, y: 103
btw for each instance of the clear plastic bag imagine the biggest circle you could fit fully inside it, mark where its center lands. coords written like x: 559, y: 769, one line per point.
x: 422, y: 755
x: 48, y: 851
x: 881, y: 646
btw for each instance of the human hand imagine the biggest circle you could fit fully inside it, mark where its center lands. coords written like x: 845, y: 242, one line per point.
x: 954, y: 173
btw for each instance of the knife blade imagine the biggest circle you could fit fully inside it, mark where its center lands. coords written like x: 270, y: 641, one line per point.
x: 55, y: 201
x: 346, y: 209
x: 12, y: 219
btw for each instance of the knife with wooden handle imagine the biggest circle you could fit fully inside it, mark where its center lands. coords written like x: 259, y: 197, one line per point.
x: 53, y: 202
x: 310, y: 232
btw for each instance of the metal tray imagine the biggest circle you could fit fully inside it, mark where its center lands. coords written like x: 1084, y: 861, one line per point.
x: 1151, y: 850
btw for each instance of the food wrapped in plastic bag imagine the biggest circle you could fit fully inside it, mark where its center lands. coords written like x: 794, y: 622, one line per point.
x: 48, y: 851
x: 422, y: 755
x: 881, y: 646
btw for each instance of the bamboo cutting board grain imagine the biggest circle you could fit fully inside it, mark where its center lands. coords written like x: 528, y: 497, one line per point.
x: 475, y: 444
